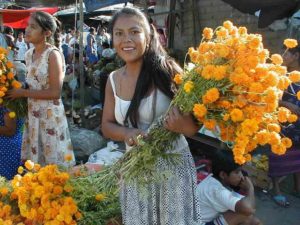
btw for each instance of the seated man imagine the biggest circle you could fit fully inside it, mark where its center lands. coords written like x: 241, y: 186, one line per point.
x: 219, y: 204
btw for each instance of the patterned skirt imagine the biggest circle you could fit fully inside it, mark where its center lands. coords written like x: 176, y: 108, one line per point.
x: 171, y: 202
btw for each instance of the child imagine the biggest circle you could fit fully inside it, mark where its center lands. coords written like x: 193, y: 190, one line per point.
x: 218, y: 203
x: 10, y: 144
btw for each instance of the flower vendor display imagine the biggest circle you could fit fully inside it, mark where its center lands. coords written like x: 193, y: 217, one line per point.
x: 18, y: 107
x: 51, y: 196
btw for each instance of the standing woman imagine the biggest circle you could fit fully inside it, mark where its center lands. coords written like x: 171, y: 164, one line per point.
x: 46, y: 137
x: 10, y: 144
x: 91, y: 46
x: 289, y: 163
x: 136, y: 95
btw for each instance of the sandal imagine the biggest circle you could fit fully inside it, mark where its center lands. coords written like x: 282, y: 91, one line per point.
x: 281, y: 200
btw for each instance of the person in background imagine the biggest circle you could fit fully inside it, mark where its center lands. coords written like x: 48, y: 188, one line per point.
x: 22, y: 47
x: 10, y: 144
x: 136, y: 95
x: 107, y: 52
x: 46, y: 137
x: 91, y: 47
x: 221, y: 205
x: 289, y: 163
x: 162, y: 37
x: 10, y: 40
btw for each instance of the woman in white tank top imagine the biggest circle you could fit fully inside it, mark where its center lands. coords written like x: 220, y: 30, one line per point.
x: 136, y: 95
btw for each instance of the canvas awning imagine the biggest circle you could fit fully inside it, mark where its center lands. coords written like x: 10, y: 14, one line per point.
x: 18, y: 19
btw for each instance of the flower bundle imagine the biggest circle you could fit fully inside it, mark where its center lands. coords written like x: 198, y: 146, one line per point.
x: 18, y: 107
x: 49, y: 196
x: 233, y: 88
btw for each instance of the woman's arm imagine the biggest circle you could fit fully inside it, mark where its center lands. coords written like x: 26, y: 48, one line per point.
x: 110, y: 128
x: 10, y: 126
x: 56, y: 76
x: 177, y: 122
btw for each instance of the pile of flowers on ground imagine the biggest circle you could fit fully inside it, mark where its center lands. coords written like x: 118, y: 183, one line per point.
x: 18, y: 107
x: 50, y: 196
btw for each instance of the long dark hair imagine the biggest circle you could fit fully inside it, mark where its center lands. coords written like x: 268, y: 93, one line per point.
x: 48, y: 22
x: 157, y: 70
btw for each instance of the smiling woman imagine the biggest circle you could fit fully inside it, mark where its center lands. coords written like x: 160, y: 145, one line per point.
x: 136, y: 96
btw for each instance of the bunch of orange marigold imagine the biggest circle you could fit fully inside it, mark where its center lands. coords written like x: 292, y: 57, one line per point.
x: 52, y: 196
x: 233, y: 87
x: 41, y: 196
x: 7, y: 81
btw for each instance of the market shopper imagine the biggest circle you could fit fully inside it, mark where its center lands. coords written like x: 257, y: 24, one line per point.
x: 46, y: 137
x: 10, y: 143
x: 136, y: 95
x: 91, y: 46
x: 289, y: 163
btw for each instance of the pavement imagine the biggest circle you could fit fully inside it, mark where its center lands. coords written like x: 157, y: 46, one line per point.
x: 272, y: 214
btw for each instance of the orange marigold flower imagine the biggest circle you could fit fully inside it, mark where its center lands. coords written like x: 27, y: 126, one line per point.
x: 298, y: 95
x: 283, y: 114
x: 210, y: 124
x: 278, y: 149
x: 178, y: 79
x: 208, y: 71
x: 240, y: 159
x: 211, y: 96
x: 16, y: 84
x: 294, y: 76
x: 9, y: 64
x: 57, y: 190
x: 226, y: 117
x: 274, y: 138
x: 222, y: 33
x: 292, y: 118
x: 273, y: 127
x: 4, y: 191
x: 68, y: 157
x: 207, y: 33
x: 277, y: 59
x: 286, y: 142
x: 1, y: 94
x: 255, y: 42
x: 242, y: 30
x: 199, y: 110
x: 290, y: 43
x: 237, y: 115
x: 10, y: 75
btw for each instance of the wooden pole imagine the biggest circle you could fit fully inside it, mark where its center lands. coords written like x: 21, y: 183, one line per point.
x: 81, y: 66
x: 172, y: 20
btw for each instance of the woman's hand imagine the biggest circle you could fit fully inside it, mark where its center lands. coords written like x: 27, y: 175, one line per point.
x: 177, y: 122
x: 15, y: 93
x: 131, y: 136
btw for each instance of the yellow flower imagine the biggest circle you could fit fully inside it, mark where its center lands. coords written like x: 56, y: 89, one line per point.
x: 242, y: 30
x: 277, y: 59
x: 12, y: 115
x: 228, y: 24
x: 20, y: 169
x: 292, y: 118
x: 178, y: 79
x: 188, y: 86
x: 100, y: 197
x: 1, y: 100
x: 210, y: 124
x: 29, y: 165
x: 290, y: 43
x: 207, y: 33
